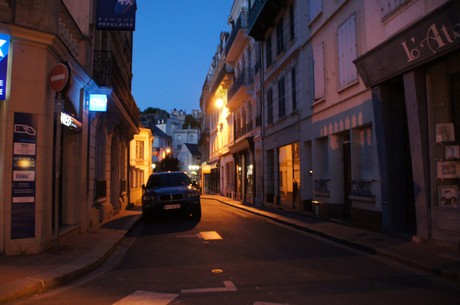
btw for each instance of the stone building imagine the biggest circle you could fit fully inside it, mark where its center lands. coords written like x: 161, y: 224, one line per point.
x: 358, y: 112
x: 66, y: 119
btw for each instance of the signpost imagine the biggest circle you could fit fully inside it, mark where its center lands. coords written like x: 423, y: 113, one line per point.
x: 58, y: 77
x: 57, y: 81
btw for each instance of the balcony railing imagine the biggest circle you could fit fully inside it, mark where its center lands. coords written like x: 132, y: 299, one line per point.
x: 263, y: 15
x: 362, y: 188
x: 241, y: 23
x: 244, y: 78
x: 107, y: 73
x: 103, y: 68
x: 321, y: 186
x: 239, y: 132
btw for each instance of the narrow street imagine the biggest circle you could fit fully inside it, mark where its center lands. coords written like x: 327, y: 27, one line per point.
x: 234, y: 257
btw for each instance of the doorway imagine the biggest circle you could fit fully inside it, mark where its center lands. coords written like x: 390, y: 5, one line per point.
x: 347, y: 177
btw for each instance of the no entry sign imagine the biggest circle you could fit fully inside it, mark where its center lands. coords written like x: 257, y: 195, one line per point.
x: 58, y: 78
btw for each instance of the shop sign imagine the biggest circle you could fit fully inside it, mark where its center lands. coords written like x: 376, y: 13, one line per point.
x: 116, y: 15
x: 431, y: 37
x: 23, y: 179
x: 4, y: 48
x: 98, y: 102
x: 69, y: 121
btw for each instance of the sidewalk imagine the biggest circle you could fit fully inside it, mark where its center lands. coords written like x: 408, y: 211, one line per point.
x: 76, y: 255
x: 79, y: 254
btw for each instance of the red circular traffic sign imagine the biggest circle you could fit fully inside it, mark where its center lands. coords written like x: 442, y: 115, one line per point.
x: 58, y: 78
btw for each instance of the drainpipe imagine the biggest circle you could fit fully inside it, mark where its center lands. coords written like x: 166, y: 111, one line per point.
x: 262, y: 118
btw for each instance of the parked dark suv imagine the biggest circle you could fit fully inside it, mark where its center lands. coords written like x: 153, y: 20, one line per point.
x: 171, y: 192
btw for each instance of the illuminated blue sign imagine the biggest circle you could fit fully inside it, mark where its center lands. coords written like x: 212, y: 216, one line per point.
x: 4, y: 47
x: 98, y: 102
x: 116, y: 15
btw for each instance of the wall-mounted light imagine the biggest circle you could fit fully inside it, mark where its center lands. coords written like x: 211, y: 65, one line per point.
x: 310, y: 172
x: 219, y: 102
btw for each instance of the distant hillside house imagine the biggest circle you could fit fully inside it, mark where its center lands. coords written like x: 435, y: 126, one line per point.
x: 189, y: 159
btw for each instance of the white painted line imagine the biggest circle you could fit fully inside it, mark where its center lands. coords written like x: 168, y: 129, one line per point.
x: 229, y: 286
x: 210, y: 235
x: 147, y: 298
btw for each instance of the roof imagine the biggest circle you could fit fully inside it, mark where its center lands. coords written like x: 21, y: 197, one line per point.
x: 193, y: 149
x: 159, y: 133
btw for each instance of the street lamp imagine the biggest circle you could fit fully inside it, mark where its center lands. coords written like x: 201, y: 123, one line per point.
x: 219, y: 102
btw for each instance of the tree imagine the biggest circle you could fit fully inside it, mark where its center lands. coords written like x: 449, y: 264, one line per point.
x: 191, y: 121
x: 168, y: 164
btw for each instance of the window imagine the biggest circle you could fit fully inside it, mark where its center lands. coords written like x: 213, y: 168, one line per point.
x: 190, y: 138
x: 318, y: 71
x: 389, y: 6
x: 270, y: 106
x: 291, y: 22
x: 280, y: 37
x: 179, y: 137
x: 347, y: 52
x: 315, y: 9
x: 268, y: 47
x: 365, y: 152
x: 140, y: 150
x: 293, y: 89
x: 281, y: 98
x: 179, y: 146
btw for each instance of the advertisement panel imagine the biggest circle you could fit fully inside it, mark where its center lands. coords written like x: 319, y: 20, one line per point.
x: 4, y: 47
x: 23, y: 179
x: 116, y: 15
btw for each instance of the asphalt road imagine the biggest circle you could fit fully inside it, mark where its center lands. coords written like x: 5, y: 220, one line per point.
x: 233, y: 257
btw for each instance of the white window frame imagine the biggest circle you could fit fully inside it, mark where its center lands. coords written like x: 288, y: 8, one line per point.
x: 319, y: 73
x: 347, y: 51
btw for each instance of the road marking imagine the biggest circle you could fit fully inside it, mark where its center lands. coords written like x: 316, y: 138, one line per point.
x: 210, y: 235
x: 147, y: 298
x: 229, y: 286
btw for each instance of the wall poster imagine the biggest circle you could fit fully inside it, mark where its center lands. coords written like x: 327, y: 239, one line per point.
x: 23, y: 184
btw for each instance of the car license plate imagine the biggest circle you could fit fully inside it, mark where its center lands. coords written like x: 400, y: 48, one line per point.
x: 171, y: 206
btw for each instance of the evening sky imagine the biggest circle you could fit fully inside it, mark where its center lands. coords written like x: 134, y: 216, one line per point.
x: 174, y: 43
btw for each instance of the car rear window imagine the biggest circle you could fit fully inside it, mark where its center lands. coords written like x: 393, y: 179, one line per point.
x: 170, y: 179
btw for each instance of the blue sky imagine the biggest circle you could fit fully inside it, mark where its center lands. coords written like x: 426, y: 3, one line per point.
x: 174, y: 43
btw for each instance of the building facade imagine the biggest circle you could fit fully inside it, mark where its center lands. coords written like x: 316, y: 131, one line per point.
x: 63, y: 164
x: 242, y: 172
x: 140, y: 163
x: 415, y: 92
x: 357, y: 103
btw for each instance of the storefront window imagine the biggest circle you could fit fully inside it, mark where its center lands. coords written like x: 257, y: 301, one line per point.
x: 289, y: 174
x: 446, y: 120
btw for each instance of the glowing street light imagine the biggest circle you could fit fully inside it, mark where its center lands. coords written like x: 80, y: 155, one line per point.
x: 219, y: 103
